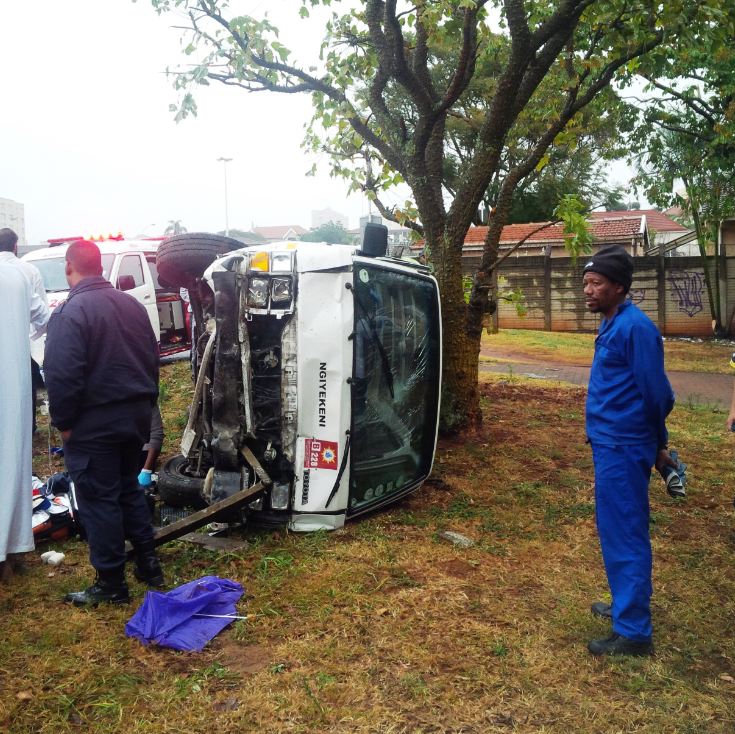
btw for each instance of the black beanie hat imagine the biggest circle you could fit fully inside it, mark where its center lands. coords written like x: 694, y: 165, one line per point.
x: 613, y: 262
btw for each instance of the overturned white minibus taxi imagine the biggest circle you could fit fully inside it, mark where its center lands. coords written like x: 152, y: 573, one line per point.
x: 317, y: 378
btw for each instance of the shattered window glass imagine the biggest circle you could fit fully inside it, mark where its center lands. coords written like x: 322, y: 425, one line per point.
x: 395, y: 385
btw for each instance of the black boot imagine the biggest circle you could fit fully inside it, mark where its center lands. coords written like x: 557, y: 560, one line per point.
x: 109, y: 587
x: 147, y: 567
x: 618, y: 645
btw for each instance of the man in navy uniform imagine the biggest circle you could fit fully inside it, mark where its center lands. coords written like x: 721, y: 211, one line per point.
x: 101, y: 370
x: 628, y: 400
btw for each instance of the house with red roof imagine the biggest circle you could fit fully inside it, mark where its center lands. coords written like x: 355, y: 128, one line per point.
x: 544, y: 238
x: 280, y: 232
x: 640, y: 232
x: 663, y: 230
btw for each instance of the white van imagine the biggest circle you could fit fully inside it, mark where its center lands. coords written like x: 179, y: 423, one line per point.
x: 131, y: 266
x: 318, y: 374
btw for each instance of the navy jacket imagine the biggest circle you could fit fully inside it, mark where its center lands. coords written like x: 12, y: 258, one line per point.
x: 629, y: 394
x: 100, y: 350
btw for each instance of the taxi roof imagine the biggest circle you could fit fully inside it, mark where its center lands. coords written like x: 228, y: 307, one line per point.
x: 107, y: 247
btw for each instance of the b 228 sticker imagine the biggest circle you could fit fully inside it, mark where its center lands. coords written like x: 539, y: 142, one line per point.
x: 320, y: 454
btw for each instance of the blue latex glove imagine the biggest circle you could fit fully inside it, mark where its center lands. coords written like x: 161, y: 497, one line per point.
x: 145, y: 478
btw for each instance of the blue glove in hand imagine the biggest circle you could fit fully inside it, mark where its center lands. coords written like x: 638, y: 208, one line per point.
x: 145, y: 478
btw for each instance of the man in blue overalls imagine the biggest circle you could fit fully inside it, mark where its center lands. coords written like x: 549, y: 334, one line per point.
x: 628, y: 400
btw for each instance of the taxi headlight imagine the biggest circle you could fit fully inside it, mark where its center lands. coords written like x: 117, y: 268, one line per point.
x: 281, y: 290
x: 280, y: 262
x: 258, y: 292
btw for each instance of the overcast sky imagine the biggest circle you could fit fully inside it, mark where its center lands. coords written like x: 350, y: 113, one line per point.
x: 89, y: 146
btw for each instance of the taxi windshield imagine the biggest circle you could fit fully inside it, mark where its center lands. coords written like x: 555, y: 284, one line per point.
x: 395, y: 383
x: 52, y: 271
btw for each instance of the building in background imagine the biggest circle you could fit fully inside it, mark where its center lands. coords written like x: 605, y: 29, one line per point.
x: 280, y: 232
x: 12, y: 215
x: 324, y: 216
x: 664, y: 231
x: 642, y: 232
x: 399, y: 238
x: 370, y: 219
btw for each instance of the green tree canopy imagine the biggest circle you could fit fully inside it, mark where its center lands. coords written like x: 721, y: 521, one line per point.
x: 332, y: 232
x: 685, y: 149
x: 244, y: 235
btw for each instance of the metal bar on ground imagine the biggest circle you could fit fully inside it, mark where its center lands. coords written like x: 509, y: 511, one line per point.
x: 205, y: 516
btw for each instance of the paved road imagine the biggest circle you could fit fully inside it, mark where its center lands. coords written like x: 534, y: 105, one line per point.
x: 690, y: 387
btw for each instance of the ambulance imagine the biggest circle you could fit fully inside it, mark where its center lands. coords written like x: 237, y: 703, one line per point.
x: 130, y: 265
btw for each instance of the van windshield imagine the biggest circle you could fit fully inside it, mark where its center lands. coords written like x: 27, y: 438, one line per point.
x: 395, y: 383
x: 52, y: 271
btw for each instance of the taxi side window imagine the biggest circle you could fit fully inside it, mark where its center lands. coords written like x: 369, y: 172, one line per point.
x: 130, y: 274
x: 153, y: 268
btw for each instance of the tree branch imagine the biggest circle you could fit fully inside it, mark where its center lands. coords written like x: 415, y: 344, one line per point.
x: 696, y: 105
x: 467, y: 57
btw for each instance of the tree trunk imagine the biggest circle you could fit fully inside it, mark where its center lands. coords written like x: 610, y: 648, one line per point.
x: 701, y: 232
x: 717, y: 317
x: 460, y: 395
x: 707, y: 232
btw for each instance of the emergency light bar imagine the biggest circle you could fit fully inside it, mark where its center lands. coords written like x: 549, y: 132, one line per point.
x: 91, y: 238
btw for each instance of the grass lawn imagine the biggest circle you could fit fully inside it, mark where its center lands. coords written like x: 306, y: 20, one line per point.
x: 384, y: 626
x: 568, y: 348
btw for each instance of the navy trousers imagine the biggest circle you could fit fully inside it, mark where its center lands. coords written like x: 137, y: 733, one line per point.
x: 622, y: 474
x: 102, y: 457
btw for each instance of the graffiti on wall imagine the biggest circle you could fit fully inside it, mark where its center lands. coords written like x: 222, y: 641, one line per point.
x: 687, y: 287
x: 637, y: 295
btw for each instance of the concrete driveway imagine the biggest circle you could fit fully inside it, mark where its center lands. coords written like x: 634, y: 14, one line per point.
x: 690, y: 387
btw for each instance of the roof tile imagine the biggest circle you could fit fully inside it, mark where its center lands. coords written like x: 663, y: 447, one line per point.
x: 601, y: 230
x: 656, y: 220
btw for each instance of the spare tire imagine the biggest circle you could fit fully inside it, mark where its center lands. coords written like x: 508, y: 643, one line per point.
x: 178, y: 487
x: 182, y: 258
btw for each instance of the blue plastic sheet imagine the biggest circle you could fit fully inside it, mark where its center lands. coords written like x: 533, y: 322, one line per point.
x: 170, y: 619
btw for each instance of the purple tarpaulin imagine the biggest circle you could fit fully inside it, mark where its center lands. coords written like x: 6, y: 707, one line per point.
x: 168, y: 618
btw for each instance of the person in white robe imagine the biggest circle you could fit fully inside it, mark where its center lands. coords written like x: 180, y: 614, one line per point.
x: 8, y: 254
x: 22, y: 310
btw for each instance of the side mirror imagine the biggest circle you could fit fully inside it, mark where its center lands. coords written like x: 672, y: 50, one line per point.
x: 375, y: 240
x: 125, y: 282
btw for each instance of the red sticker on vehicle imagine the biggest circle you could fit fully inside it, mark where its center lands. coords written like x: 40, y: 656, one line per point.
x: 320, y: 454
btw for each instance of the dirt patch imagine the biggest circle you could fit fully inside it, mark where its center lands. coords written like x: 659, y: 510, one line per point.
x: 243, y: 659
x: 680, y: 530
x: 456, y: 567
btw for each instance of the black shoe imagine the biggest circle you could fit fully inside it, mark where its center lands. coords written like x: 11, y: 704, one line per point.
x: 100, y: 592
x: 618, y: 645
x: 602, y: 609
x: 147, y: 567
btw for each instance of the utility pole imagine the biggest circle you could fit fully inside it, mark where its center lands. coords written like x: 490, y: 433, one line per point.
x: 224, y: 162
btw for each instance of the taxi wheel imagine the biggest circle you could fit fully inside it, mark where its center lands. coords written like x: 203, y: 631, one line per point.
x: 182, y: 258
x: 177, y: 487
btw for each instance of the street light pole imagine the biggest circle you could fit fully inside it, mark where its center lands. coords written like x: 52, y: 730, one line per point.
x: 224, y: 162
